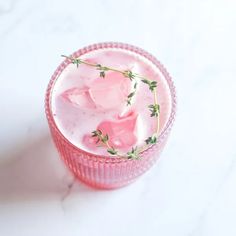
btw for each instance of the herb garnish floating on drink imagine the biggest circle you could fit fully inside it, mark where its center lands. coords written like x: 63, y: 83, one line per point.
x: 154, y: 108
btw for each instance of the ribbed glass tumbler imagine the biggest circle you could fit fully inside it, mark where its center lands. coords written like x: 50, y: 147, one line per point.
x: 102, y: 171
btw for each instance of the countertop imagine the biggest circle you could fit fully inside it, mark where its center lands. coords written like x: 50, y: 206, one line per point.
x: 191, y: 191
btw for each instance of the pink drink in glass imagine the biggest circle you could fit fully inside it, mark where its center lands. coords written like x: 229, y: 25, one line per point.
x: 78, y: 102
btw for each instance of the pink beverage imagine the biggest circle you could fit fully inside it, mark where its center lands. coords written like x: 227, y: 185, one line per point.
x: 85, y: 99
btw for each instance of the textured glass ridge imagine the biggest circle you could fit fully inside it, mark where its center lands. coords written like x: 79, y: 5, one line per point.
x: 102, y: 171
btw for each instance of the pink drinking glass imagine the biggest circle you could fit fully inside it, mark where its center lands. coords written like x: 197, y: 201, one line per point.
x: 101, y: 171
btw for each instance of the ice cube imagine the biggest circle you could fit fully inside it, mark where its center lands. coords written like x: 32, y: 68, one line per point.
x: 122, y: 132
x: 110, y: 92
x: 80, y: 97
x: 103, y: 93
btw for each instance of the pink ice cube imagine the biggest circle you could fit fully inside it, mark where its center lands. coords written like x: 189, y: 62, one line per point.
x: 111, y: 91
x: 103, y: 93
x: 80, y: 97
x: 121, y: 132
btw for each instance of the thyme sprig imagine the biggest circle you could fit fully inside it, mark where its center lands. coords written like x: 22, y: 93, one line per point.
x: 102, y: 70
x: 129, y: 74
x: 104, y: 140
x: 154, y: 108
x: 152, y: 84
x: 132, y: 94
x: 133, y: 154
x: 151, y: 140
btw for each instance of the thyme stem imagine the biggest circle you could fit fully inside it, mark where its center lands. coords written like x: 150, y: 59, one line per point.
x: 154, y: 108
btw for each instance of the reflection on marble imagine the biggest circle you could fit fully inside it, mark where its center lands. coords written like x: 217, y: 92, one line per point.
x: 192, y: 189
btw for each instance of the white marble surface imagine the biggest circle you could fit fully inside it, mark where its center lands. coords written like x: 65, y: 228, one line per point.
x: 192, y: 191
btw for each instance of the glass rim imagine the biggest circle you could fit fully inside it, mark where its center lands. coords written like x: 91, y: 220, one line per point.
x: 104, y: 45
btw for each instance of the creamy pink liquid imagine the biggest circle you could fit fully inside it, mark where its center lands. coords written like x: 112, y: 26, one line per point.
x: 82, y: 102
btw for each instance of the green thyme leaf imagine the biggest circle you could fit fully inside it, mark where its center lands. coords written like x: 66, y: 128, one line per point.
x: 128, y: 101
x: 129, y: 74
x: 112, y: 151
x: 151, y: 83
x: 145, y: 81
x: 131, y: 95
x: 96, y: 133
x: 99, y: 66
x: 133, y: 154
x: 75, y: 61
x: 102, y: 69
x: 104, y: 139
x: 151, y: 140
x: 155, y: 109
x: 102, y: 74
